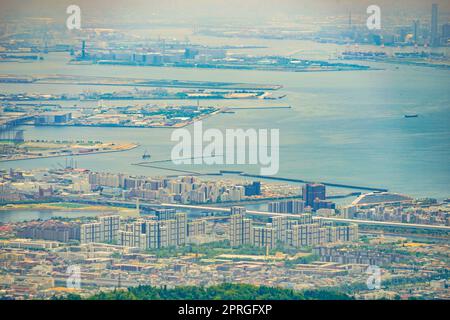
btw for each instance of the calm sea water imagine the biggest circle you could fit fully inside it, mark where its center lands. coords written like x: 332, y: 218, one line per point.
x: 345, y: 127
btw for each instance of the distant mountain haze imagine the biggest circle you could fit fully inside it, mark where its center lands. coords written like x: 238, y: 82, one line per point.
x: 146, y: 10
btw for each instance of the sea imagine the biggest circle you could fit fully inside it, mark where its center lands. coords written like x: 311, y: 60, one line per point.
x: 343, y: 127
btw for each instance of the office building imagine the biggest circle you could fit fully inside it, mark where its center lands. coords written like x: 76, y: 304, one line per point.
x: 313, y: 191
x: 434, y: 41
x: 253, y: 189
x: 416, y: 27
x: 445, y: 33
x: 323, y: 204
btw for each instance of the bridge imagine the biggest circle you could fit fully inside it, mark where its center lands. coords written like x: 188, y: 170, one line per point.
x: 8, y: 131
x: 14, y: 121
x: 296, y: 216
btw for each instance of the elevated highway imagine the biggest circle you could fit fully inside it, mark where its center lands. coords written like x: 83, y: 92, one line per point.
x: 131, y: 204
x: 294, y: 216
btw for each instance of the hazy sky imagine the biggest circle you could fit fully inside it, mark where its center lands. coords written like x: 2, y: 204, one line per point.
x: 197, y: 9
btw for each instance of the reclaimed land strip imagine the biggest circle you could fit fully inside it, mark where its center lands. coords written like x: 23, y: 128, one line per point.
x: 113, y: 81
x: 128, y: 147
x: 330, y: 184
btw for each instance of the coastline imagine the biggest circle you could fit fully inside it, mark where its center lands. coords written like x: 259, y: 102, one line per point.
x: 133, y: 146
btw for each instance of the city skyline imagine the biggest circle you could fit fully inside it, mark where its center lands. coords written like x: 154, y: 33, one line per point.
x: 214, y: 150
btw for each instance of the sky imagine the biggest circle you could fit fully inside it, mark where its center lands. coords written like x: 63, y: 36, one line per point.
x: 210, y: 9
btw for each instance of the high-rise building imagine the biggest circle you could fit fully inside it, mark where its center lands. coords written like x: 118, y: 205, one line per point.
x: 313, y: 191
x: 264, y: 236
x: 237, y: 210
x: 169, y: 239
x: 301, y: 235
x: 237, y: 193
x: 240, y: 227
x: 287, y: 206
x: 304, y: 235
x: 90, y: 232
x: 110, y: 226
x: 416, y: 26
x: 165, y: 214
x: 132, y: 183
x: 126, y: 238
x: 196, y: 228
x: 105, y: 230
x: 434, y: 41
x: 445, y: 33
x: 138, y: 229
x: 106, y: 179
x: 83, y: 49
x: 349, y: 211
x: 181, y: 228
x: 253, y: 189
x: 323, y: 204
x: 279, y: 225
x: 152, y: 234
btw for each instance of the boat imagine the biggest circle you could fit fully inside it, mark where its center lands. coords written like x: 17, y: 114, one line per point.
x: 146, y: 155
x: 411, y: 115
